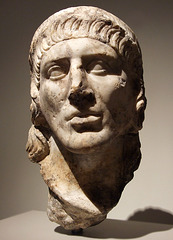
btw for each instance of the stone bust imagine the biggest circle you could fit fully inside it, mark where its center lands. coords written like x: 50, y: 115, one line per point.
x: 87, y: 108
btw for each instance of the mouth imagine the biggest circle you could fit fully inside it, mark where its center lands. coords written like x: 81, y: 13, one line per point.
x: 90, y: 122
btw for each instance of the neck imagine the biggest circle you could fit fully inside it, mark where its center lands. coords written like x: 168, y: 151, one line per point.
x: 89, y: 184
x: 91, y: 173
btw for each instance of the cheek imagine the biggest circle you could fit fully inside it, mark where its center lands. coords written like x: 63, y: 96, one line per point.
x: 116, y: 94
x: 122, y: 105
x: 107, y: 87
x: 52, y: 96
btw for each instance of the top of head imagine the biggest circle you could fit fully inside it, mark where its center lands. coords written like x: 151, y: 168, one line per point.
x: 84, y: 22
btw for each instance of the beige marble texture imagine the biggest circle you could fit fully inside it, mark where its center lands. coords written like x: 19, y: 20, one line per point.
x: 87, y: 108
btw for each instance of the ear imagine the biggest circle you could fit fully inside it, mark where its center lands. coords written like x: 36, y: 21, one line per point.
x: 34, y: 90
x: 38, y: 118
x: 140, y: 108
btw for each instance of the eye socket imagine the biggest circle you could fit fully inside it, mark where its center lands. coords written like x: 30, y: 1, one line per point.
x: 98, y: 67
x: 56, y: 72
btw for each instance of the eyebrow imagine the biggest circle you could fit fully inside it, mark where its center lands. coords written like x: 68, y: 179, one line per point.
x: 53, y: 61
x: 100, y: 56
x: 87, y: 57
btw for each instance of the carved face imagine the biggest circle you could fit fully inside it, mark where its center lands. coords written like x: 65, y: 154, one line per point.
x: 85, y: 94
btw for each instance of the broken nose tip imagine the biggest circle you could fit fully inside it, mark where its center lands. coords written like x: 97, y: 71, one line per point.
x: 82, y: 98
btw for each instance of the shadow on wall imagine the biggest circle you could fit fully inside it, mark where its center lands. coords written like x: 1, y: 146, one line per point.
x: 134, y: 227
x: 153, y: 215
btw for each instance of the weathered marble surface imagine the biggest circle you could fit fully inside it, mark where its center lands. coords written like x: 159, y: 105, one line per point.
x: 87, y: 107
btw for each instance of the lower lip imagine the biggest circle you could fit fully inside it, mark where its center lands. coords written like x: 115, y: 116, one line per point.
x: 85, y: 120
x: 87, y: 124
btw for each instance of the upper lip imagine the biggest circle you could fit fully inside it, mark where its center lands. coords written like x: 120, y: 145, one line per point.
x: 83, y: 115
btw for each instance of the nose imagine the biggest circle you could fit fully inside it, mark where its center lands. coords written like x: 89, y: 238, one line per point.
x: 81, y: 95
x: 77, y: 75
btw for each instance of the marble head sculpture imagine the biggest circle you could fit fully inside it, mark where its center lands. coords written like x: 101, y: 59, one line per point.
x: 87, y: 108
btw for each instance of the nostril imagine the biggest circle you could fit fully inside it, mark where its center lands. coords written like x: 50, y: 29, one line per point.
x: 74, y: 96
x: 90, y: 97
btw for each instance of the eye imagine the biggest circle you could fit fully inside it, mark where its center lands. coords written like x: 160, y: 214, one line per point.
x: 56, y: 72
x: 98, y: 67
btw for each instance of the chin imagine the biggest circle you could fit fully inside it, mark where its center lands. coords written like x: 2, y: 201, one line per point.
x: 87, y: 142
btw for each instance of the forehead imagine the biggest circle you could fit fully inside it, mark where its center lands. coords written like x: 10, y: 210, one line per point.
x: 80, y: 47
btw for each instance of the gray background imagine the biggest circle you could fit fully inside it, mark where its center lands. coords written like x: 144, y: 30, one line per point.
x: 149, y: 196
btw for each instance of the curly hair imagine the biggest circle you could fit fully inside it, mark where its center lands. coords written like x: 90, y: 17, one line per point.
x: 93, y: 23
